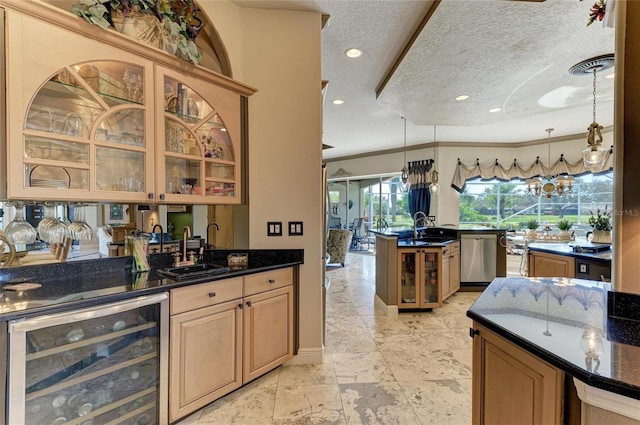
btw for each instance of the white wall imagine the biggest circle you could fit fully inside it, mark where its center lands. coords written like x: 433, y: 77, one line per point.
x: 278, y: 52
x: 445, y: 206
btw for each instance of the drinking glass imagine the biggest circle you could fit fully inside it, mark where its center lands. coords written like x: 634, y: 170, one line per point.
x: 79, y: 229
x: 51, y: 229
x: 133, y: 81
x: 19, y: 230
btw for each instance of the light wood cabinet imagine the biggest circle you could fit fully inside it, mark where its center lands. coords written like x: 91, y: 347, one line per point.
x: 543, y: 264
x: 268, y: 331
x: 106, y: 121
x: 511, y: 386
x: 419, y: 278
x: 450, y: 269
x: 205, y: 359
x: 226, y: 333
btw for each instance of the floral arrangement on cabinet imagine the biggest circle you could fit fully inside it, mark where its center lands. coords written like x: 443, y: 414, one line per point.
x: 601, y: 220
x: 171, y: 25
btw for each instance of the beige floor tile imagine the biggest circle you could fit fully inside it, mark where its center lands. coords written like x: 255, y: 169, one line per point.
x: 444, y: 402
x: 381, y: 403
x: 309, y: 404
x: 361, y: 367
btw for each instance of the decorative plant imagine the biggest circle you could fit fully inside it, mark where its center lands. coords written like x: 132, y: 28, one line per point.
x: 597, y: 11
x: 564, y: 225
x: 532, y: 224
x: 601, y: 220
x: 176, y: 16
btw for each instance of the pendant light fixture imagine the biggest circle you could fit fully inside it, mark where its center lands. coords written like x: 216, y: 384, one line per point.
x: 434, y: 187
x: 594, y: 154
x: 559, y: 185
x: 405, y: 173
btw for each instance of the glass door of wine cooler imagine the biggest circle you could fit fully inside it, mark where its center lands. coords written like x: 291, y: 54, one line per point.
x: 103, y: 365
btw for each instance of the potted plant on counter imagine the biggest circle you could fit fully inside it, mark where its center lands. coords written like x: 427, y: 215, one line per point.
x: 601, y: 224
x: 532, y: 226
x: 564, y: 226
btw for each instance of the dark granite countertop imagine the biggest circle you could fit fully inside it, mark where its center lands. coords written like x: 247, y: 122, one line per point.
x: 567, y: 249
x: 79, y: 284
x: 557, y: 319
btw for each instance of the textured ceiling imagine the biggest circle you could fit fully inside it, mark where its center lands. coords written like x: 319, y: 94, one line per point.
x: 513, y: 55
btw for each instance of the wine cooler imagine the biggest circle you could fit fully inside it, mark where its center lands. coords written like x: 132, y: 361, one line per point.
x: 102, y: 365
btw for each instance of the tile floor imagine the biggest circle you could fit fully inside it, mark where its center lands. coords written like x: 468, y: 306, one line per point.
x: 410, y: 369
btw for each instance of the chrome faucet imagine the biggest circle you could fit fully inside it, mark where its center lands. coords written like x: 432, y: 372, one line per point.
x: 419, y: 215
x: 153, y: 230
x: 10, y: 256
x: 213, y: 223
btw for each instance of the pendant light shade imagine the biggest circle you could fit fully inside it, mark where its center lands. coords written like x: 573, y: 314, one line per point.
x: 434, y: 187
x: 405, y: 172
x: 594, y: 154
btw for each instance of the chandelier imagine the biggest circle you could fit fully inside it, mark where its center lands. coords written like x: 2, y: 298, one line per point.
x: 594, y: 154
x: 550, y: 185
x: 405, y: 173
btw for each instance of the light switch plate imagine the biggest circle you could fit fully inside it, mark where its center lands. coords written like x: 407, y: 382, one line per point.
x: 274, y: 228
x: 295, y: 228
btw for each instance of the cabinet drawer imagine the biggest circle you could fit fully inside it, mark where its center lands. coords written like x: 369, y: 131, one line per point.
x: 454, y: 247
x: 260, y: 282
x: 205, y: 294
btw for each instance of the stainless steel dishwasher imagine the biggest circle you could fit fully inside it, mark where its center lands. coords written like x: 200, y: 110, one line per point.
x: 478, y: 254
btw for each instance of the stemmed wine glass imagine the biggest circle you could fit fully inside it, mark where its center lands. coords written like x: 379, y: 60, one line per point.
x: 51, y: 229
x: 133, y: 82
x: 79, y: 229
x: 19, y: 230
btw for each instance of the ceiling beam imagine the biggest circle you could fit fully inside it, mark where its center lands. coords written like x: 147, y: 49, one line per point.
x: 406, y: 48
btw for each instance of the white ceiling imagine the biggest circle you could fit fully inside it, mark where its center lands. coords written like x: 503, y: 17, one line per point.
x: 513, y: 55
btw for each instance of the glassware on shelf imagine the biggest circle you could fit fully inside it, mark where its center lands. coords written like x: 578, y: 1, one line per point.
x: 133, y: 81
x: 20, y: 231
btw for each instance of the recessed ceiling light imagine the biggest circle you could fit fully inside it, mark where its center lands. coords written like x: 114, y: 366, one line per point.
x: 462, y: 97
x: 353, y: 53
x: 338, y: 101
x: 495, y: 110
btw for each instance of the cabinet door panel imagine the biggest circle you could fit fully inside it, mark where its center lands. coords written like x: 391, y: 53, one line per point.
x: 205, y: 357
x: 268, y: 331
x: 454, y: 272
x: 511, y: 386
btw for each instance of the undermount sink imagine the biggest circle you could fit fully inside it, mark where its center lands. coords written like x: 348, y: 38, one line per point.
x: 194, y: 270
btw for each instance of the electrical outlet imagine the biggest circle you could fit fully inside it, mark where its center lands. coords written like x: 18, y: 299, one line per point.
x: 583, y: 268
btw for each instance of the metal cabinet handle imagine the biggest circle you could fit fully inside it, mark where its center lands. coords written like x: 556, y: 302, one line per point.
x: 473, y: 332
x: 162, y: 196
x: 212, y: 294
x: 241, y: 306
x: 248, y: 303
x: 272, y: 281
x: 150, y: 195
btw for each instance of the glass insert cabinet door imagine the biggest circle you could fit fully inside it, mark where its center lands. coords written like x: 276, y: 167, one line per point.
x: 104, y: 365
x: 419, y: 280
x: 199, y: 160
x: 86, y: 133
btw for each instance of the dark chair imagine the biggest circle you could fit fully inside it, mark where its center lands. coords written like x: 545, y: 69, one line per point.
x: 335, y: 223
x: 355, y: 228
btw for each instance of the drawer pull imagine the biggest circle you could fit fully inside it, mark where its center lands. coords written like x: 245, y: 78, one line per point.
x: 272, y: 281
x: 212, y: 294
x: 248, y: 303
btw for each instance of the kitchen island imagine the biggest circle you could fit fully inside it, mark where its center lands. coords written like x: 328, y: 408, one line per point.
x: 91, y: 339
x: 557, y: 349
x: 420, y: 268
x: 582, y: 260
